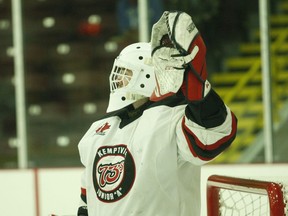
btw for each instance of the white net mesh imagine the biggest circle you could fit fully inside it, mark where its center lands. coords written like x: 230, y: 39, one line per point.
x: 229, y: 196
x: 285, y: 197
x: 238, y: 203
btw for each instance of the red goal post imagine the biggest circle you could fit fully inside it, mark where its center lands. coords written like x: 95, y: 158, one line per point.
x: 237, y: 196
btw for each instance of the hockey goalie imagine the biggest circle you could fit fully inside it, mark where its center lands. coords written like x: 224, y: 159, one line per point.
x: 163, y: 121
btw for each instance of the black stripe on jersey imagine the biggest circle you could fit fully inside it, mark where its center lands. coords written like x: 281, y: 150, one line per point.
x: 171, y: 101
x: 129, y: 114
x: 208, y: 152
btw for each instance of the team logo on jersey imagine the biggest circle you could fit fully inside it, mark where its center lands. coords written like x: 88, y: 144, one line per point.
x: 102, y: 129
x: 113, y: 172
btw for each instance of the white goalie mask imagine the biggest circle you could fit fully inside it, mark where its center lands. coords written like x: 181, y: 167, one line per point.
x: 132, y: 77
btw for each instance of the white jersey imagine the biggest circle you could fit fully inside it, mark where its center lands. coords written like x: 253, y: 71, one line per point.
x: 147, y: 163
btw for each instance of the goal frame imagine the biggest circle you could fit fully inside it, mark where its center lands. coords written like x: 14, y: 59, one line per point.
x: 274, y: 192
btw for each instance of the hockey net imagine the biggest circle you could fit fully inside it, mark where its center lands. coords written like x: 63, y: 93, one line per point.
x: 229, y: 196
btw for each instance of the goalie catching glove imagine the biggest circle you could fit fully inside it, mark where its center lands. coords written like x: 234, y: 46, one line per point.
x: 177, y: 47
x: 179, y: 58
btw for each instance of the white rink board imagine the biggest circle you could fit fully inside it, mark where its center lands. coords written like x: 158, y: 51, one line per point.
x: 17, y: 194
x: 59, y: 189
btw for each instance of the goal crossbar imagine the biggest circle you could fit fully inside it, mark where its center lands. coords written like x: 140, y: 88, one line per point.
x: 273, y: 191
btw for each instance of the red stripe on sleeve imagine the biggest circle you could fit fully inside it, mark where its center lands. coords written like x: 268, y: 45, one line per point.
x: 83, y: 191
x: 187, y: 132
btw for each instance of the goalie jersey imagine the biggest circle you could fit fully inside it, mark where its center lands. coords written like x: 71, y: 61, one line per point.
x: 147, y: 161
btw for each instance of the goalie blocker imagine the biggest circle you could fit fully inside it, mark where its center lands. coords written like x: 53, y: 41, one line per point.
x: 179, y: 57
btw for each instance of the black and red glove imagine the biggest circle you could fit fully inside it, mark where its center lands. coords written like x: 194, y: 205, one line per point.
x: 180, y: 63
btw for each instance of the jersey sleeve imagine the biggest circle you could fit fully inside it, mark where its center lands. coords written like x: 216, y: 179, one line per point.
x: 202, y: 137
x: 82, y: 207
x: 83, y: 152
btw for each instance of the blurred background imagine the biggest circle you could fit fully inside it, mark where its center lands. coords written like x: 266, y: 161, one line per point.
x: 68, y: 52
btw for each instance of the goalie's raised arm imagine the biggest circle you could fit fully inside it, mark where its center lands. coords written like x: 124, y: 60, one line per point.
x: 179, y: 57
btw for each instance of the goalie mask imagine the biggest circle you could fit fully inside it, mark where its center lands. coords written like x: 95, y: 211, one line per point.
x: 132, y: 77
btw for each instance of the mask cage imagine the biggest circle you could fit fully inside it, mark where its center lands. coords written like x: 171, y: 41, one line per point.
x: 120, y: 77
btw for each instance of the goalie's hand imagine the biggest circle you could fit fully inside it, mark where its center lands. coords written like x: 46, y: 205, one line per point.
x: 177, y: 47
